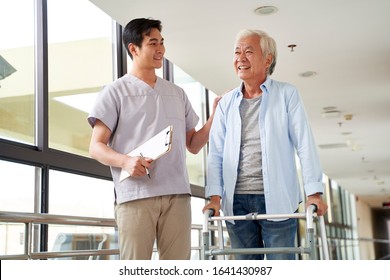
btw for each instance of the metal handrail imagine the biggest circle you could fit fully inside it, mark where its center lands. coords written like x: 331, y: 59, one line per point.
x: 21, y: 217
x: 41, y: 218
x: 33, y: 218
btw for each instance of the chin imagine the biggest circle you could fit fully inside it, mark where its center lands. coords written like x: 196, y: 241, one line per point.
x: 242, y: 76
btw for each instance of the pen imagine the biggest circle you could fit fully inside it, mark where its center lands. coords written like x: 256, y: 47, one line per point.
x: 147, y: 170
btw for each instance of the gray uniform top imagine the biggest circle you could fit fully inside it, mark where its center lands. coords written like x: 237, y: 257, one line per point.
x: 135, y: 112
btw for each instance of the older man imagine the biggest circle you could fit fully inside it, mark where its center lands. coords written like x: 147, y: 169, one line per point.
x: 258, y: 129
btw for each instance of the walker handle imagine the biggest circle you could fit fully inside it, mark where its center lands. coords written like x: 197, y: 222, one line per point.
x: 211, y: 212
x: 315, y: 207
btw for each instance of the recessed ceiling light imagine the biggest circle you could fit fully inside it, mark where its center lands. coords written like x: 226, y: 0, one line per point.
x: 328, y: 108
x: 308, y: 74
x: 333, y: 146
x: 265, y: 10
x: 331, y: 114
x: 346, y: 133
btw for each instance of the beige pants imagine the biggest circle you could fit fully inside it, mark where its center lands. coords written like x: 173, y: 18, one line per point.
x: 166, y: 219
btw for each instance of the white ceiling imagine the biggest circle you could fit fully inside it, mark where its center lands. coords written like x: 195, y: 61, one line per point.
x: 347, y: 43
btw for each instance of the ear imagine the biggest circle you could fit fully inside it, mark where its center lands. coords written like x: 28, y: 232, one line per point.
x: 132, y: 49
x: 269, y: 60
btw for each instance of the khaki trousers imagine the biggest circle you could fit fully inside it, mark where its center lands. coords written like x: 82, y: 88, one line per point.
x: 164, y: 219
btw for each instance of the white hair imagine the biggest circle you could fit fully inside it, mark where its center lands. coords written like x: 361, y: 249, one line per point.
x: 267, y: 44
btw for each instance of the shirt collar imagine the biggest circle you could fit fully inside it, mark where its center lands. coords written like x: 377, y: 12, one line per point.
x: 265, y: 87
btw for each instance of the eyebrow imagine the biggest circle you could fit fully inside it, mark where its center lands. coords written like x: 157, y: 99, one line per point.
x: 155, y: 40
x: 246, y: 48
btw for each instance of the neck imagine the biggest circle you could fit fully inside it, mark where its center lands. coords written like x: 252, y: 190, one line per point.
x: 251, y: 91
x: 148, y: 76
x: 251, y: 88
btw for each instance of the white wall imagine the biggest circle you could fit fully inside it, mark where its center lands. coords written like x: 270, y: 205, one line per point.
x: 364, y: 229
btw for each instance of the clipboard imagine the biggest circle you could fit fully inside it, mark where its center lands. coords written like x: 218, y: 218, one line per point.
x: 154, y: 148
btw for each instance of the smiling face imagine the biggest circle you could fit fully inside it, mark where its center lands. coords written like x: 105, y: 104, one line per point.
x: 249, y: 62
x: 150, y: 55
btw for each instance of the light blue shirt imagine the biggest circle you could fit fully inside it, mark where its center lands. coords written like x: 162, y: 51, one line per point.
x: 284, y: 133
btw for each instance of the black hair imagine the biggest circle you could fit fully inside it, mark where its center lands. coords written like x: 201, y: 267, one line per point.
x: 135, y: 31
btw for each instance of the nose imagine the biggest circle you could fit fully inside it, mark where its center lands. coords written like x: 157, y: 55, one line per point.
x: 241, y: 56
x: 161, y: 49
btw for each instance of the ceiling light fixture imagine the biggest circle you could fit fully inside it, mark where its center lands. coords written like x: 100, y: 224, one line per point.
x: 292, y: 46
x: 345, y: 133
x: 327, y: 108
x: 348, y: 117
x: 331, y: 114
x: 265, y: 10
x: 308, y: 74
x: 333, y: 145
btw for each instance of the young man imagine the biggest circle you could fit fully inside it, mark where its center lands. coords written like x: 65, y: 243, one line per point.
x: 127, y: 113
x: 257, y: 130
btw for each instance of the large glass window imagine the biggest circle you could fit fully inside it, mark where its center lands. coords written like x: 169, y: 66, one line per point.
x: 11, y: 238
x: 17, y: 187
x: 76, y: 195
x: 336, y: 203
x: 17, y: 71
x: 80, y: 63
x: 196, y: 94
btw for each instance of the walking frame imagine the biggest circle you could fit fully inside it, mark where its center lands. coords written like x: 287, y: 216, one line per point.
x: 308, y: 248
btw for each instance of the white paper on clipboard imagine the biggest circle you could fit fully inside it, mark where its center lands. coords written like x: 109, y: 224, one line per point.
x: 154, y: 148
